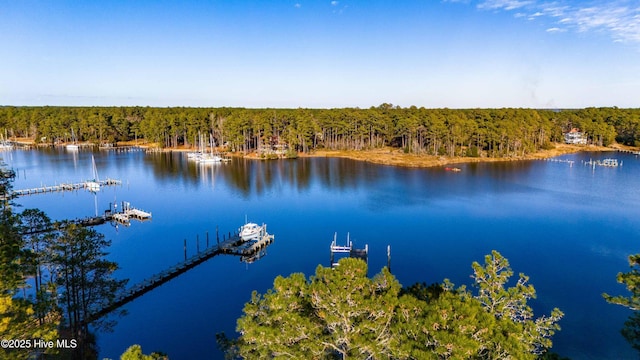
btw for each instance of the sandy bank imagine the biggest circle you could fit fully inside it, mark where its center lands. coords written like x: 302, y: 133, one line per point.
x: 396, y: 157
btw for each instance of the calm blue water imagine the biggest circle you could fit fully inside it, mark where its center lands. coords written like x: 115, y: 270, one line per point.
x: 569, y: 228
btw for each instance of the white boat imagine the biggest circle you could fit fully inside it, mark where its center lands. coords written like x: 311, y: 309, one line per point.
x: 5, y: 145
x: 94, y: 184
x: 194, y: 155
x: 73, y: 146
x: 209, y: 158
x: 251, y: 231
x: 197, y: 155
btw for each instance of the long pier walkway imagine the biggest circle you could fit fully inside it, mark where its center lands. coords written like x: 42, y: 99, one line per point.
x: 62, y: 187
x: 234, y: 245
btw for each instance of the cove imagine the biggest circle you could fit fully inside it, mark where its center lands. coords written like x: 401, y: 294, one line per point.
x: 570, y: 228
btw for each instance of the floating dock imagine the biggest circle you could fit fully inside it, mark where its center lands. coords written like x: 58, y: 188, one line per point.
x: 122, y: 217
x: 128, y: 212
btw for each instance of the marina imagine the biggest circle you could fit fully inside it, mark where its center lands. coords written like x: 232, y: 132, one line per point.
x: 203, y: 157
x: 608, y: 162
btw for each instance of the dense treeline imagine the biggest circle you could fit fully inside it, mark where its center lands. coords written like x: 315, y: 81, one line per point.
x: 469, y: 132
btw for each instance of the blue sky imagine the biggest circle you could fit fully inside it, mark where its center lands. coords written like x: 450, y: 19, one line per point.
x: 321, y: 54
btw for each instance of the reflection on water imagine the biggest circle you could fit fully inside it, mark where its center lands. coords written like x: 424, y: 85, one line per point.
x: 569, y: 228
x: 256, y: 178
x: 259, y: 177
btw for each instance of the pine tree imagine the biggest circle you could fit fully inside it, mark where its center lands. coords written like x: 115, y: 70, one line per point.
x: 631, y: 279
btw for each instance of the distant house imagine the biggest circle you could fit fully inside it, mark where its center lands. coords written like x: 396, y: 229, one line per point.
x: 575, y: 136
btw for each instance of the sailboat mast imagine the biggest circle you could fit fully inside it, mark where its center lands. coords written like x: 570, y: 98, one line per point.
x: 95, y: 169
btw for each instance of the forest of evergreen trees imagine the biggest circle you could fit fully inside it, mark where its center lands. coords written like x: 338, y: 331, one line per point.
x: 465, y: 132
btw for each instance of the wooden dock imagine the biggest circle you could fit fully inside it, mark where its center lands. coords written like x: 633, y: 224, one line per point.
x: 603, y: 163
x: 122, y: 148
x: 233, y: 245
x: 128, y: 212
x: 63, y: 187
x: 122, y: 217
x: 565, y: 161
x: 347, y: 249
x: 628, y: 151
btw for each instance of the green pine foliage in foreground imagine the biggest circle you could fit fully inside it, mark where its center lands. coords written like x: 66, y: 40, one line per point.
x: 341, y: 313
x: 631, y: 280
x: 134, y: 352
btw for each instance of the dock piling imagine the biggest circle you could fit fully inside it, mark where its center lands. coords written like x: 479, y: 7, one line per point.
x: 248, y: 251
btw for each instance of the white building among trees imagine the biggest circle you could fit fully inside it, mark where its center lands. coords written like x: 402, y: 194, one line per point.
x: 575, y: 136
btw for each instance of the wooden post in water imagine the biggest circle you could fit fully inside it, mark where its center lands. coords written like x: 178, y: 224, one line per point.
x: 185, y: 249
x: 389, y: 257
x: 217, y: 236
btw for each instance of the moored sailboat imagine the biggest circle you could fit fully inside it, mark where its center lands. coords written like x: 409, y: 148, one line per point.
x: 94, y: 184
x: 74, y: 144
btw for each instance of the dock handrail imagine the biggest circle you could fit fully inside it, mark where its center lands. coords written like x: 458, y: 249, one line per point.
x: 228, y: 246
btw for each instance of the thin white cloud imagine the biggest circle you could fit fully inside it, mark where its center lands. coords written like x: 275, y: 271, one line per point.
x: 555, y: 30
x: 334, y: 3
x: 297, y: 5
x: 554, y: 9
x: 504, y: 4
x: 618, y: 18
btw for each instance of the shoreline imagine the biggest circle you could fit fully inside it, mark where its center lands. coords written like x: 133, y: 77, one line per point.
x: 396, y: 157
